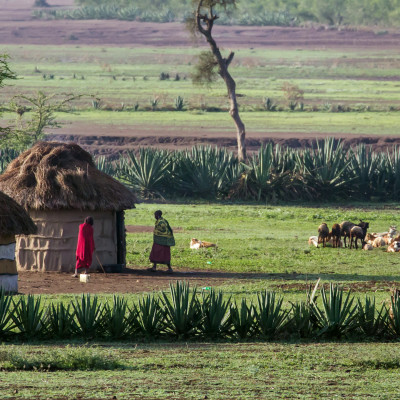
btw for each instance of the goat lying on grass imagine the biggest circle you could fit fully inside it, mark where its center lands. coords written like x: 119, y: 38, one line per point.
x: 197, y: 244
x: 313, y: 241
x: 394, y: 247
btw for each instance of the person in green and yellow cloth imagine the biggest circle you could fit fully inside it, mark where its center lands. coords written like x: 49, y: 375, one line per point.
x: 163, y: 239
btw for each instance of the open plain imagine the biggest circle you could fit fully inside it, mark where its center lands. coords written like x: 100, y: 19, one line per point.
x: 114, y: 67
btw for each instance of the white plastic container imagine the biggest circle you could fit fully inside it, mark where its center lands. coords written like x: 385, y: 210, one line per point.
x: 84, y: 278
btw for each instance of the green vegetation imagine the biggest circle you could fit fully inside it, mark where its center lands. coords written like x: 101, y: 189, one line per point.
x: 345, y: 92
x: 251, y: 12
x: 269, y: 239
x: 356, y: 79
x: 183, y: 314
x: 273, y: 174
x: 194, y: 371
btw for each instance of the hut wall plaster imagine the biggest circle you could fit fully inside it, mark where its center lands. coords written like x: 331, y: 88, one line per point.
x: 53, y: 247
x: 8, y: 268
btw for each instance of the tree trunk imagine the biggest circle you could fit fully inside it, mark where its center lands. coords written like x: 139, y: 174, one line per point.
x: 223, y: 64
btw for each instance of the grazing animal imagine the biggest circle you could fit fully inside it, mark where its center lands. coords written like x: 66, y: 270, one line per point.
x: 358, y: 232
x: 367, y: 246
x: 335, y: 234
x: 394, y: 247
x: 378, y: 242
x: 388, y: 237
x: 345, y: 228
x: 197, y: 244
x: 323, y: 234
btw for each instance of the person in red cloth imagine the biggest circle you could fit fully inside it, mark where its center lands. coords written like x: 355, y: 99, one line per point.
x: 85, y: 246
x: 163, y: 239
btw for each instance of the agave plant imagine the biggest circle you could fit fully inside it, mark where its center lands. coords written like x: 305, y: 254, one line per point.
x: 201, y: 172
x: 324, y: 168
x: 338, y: 315
x: 270, y: 316
x: 61, y: 322
x: 182, y: 310
x: 301, y: 320
x: 370, y: 322
x: 105, y: 165
x: 5, y: 314
x: 391, y: 175
x: 263, y: 181
x: 29, y: 317
x: 89, y: 314
x: 147, y: 318
x: 243, y: 319
x: 394, y: 315
x: 116, y: 323
x: 179, y: 104
x: 147, y: 173
x: 6, y: 156
x: 216, y: 321
x: 364, y: 167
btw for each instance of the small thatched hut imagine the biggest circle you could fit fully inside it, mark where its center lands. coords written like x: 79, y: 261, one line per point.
x: 59, y: 185
x: 14, y: 220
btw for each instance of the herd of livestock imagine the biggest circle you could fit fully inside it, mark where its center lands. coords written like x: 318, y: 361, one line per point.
x: 356, y: 232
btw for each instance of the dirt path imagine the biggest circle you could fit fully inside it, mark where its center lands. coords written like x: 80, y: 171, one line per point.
x: 140, y: 280
x: 130, y: 281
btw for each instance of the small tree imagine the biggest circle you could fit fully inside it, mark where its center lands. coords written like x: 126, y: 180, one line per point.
x: 5, y: 73
x: 40, y: 110
x: 293, y: 94
x: 212, y: 63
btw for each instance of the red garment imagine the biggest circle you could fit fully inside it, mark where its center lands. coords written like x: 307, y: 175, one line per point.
x: 85, y: 246
x: 160, y: 254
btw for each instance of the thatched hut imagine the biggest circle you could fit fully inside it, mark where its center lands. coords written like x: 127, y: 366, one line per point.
x: 59, y: 185
x: 14, y: 220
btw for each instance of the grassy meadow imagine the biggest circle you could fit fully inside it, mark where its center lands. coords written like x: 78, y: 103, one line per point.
x: 266, y: 239
x: 124, y: 78
x: 204, y: 371
x: 261, y: 246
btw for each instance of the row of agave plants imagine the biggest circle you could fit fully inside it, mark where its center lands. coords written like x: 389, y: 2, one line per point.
x: 183, y: 313
x: 323, y: 172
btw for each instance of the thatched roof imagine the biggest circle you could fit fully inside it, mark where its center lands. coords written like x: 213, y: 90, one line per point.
x: 54, y: 176
x: 14, y: 220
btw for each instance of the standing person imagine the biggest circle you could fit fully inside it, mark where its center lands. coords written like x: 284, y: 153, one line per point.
x: 85, y: 246
x: 163, y: 239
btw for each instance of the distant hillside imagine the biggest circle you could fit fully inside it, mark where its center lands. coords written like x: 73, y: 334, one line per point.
x: 249, y: 12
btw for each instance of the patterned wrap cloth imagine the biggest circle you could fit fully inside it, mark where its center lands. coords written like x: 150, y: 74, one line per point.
x: 163, y: 234
x: 163, y: 239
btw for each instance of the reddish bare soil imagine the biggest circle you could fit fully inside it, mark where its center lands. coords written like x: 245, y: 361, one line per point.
x: 114, y: 146
x: 17, y: 26
x: 134, y: 280
x: 130, y: 281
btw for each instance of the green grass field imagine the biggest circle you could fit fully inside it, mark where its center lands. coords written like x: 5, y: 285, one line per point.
x: 264, y: 239
x: 124, y: 77
x: 325, y: 75
x: 207, y: 371
x: 267, y: 240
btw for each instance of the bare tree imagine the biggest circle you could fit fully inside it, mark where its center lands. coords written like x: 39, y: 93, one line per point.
x: 212, y: 63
